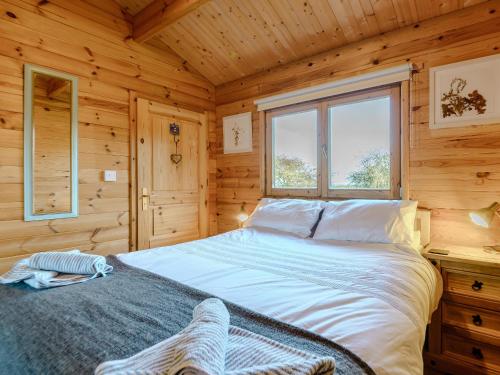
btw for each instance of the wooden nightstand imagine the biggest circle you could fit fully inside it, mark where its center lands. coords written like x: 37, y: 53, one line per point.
x: 464, y: 335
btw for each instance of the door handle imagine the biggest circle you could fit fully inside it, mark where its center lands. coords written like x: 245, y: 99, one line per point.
x: 145, y: 199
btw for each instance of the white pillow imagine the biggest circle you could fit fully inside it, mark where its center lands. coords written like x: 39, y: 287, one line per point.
x: 296, y: 216
x: 368, y: 221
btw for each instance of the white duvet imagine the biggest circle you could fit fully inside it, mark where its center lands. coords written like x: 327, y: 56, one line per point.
x: 374, y: 299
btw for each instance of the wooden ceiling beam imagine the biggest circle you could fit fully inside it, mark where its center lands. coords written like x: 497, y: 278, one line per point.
x: 159, y: 14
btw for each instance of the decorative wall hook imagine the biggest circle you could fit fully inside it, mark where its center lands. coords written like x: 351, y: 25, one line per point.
x: 175, y: 130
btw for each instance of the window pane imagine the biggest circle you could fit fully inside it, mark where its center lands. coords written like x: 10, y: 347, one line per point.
x: 360, y: 145
x: 295, y: 150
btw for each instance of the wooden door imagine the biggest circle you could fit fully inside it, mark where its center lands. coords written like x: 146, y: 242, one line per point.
x: 172, y: 198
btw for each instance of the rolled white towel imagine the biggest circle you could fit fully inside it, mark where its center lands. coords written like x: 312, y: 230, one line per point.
x: 210, y: 346
x: 199, y: 349
x: 203, y: 349
x: 70, y: 262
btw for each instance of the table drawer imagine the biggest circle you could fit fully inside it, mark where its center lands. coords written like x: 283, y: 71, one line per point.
x: 472, y: 284
x: 472, y: 351
x: 472, y: 318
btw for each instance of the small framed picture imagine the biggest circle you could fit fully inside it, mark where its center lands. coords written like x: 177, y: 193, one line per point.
x: 237, y: 133
x: 465, y: 93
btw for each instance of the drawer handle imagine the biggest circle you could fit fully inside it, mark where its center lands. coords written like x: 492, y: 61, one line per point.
x: 477, y: 285
x: 476, y: 319
x: 477, y: 353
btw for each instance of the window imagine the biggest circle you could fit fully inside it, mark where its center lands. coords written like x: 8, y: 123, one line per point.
x: 295, y: 168
x: 346, y: 146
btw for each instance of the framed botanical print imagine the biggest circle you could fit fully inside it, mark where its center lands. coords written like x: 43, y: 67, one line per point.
x: 465, y: 93
x: 237, y: 133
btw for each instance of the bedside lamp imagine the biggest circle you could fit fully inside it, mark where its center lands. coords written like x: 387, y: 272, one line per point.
x: 242, y: 217
x: 484, y: 217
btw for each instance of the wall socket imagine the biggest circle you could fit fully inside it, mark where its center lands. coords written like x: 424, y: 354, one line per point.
x: 110, y: 176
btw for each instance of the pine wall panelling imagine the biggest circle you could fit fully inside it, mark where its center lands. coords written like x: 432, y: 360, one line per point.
x: 451, y: 170
x: 90, y: 40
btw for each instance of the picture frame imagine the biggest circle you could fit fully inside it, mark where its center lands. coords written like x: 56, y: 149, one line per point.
x: 466, y: 93
x: 237, y: 131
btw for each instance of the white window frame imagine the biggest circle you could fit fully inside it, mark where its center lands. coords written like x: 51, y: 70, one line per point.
x: 324, y: 153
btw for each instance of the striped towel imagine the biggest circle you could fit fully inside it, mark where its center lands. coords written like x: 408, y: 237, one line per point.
x: 51, y: 269
x: 210, y: 346
x: 69, y: 262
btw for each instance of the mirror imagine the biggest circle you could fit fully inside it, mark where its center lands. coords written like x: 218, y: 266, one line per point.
x: 50, y: 144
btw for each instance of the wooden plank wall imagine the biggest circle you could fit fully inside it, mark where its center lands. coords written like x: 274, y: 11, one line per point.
x: 451, y: 171
x: 87, y: 38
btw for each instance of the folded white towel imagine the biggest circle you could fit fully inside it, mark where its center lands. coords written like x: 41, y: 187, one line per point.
x: 198, y: 349
x: 201, y: 346
x: 69, y: 262
x: 44, y: 271
x: 210, y: 346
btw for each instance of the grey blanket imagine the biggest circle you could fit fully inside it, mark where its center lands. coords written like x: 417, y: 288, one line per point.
x: 70, y: 330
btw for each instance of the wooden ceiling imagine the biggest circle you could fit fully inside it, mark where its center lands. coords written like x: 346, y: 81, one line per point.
x: 229, y: 39
x: 133, y: 6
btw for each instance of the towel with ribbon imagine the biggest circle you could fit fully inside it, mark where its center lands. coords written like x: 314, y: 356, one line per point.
x: 210, y: 346
x: 52, y: 268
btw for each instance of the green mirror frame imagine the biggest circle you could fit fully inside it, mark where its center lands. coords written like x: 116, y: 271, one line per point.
x: 29, y: 135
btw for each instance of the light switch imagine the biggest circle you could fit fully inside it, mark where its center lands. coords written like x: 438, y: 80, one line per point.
x: 109, y: 176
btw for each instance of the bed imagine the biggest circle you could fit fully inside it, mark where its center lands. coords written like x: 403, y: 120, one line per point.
x: 367, y: 303
x: 343, y: 291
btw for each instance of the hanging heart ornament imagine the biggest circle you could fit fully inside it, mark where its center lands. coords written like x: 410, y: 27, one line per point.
x: 176, y: 158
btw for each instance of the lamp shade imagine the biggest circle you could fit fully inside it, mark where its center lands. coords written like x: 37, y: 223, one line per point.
x: 484, y: 216
x: 242, y: 216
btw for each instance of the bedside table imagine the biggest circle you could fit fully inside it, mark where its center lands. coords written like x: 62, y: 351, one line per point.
x: 464, y: 335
